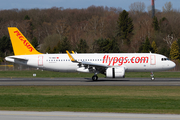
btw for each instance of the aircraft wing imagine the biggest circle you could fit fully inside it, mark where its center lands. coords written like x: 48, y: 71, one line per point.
x: 86, y: 63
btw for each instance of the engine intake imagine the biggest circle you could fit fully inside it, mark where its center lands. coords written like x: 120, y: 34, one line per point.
x: 117, y: 72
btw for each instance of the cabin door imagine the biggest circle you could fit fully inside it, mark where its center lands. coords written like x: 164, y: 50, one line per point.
x: 152, y: 59
x: 40, y: 60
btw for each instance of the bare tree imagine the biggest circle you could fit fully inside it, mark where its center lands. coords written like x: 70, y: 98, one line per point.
x: 167, y: 7
x: 94, y: 23
x: 170, y: 39
x: 62, y: 27
x: 101, y: 26
x: 137, y: 7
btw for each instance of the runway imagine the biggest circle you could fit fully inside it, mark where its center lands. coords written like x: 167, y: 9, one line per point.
x: 89, y: 82
x: 21, y: 115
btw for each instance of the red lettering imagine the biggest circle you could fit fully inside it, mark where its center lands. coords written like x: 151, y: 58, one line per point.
x: 104, y: 58
x: 126, y: 59
x: 132, y: 59
x: 115, y: 60
x: 121, y: 61
x: 28, y: 46
x: 17, y: 33
x: 107, y: 58
x: 137, y: 60
x: 31, y: 49
x: 25, y: 42
x: 21, y: 38
x: 144, y: 59
x: 110, y: 60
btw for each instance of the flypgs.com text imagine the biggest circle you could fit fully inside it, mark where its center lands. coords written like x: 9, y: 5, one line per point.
x: 121, y: 60
x: 25, y: 42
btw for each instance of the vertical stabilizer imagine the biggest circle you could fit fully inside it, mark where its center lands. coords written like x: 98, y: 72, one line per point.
x: 21, y: 45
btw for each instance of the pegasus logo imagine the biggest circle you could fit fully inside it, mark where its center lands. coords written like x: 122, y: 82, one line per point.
x: 25, y: 42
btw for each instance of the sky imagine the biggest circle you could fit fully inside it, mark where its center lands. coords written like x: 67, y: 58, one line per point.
x: 79, y: 4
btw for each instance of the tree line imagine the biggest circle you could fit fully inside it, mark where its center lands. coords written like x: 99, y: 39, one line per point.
x: 95, y: 29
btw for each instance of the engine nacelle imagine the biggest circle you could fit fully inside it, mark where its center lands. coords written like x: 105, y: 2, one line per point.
x: 117, y: 72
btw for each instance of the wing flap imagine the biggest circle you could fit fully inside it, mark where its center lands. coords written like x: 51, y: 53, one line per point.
x: 94, y: 64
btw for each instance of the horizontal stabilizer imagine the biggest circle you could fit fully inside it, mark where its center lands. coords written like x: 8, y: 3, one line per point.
x: 17, y: 57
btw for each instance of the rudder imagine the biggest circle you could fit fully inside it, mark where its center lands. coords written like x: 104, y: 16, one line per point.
x: 21, y: 46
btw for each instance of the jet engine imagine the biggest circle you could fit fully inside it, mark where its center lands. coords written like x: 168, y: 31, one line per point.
x: 117, y: 72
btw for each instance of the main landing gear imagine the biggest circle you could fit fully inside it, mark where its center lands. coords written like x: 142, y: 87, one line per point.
x: 152, y: 76
x: 94, y: 77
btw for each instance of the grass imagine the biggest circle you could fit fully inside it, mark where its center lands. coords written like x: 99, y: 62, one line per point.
x: 124, y: 99
x: 129, y: 99
x: 28, y: 74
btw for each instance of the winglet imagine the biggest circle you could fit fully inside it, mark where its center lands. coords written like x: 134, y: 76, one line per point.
x: 71, y: 57
x: 21, y: 45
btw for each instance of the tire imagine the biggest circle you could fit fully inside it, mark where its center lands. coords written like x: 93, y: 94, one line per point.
x: 95, y: 78
x: 152, y: 78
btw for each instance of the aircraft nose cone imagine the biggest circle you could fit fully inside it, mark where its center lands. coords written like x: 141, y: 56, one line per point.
x: 173, y: 64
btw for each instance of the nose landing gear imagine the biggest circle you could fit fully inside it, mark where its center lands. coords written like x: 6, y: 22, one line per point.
x: 152, y: 76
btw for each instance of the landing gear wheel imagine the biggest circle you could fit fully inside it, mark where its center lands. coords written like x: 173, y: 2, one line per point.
x: 153, y: 78
x: 94, y: 77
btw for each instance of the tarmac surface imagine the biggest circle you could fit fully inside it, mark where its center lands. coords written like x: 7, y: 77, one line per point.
x: 22, y: 115
x: 88, y: 82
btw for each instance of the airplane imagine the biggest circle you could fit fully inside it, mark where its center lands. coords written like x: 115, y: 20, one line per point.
x: 112, y: 65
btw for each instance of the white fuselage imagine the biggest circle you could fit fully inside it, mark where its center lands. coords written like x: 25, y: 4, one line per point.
x: 130, y: 61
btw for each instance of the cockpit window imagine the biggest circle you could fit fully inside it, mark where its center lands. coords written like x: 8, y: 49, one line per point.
x: 164, y: 59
